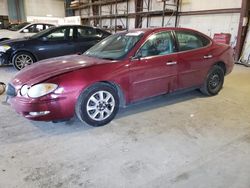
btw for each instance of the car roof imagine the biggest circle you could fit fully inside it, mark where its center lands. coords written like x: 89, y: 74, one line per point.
x: 72, y: 25
x: 80, y: 26
x: 153, y: 29
x: 40, y: 23
x: 148, y: 31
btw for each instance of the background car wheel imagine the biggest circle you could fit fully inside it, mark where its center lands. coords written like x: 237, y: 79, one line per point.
x: 22, y: 59
x: 214, y: 81
x: 98, y: 104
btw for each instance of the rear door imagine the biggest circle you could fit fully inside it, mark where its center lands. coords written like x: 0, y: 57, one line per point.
x: 85, y: 37
x: 194, y: 58
x: 59, y: 42
x: 155, y: 72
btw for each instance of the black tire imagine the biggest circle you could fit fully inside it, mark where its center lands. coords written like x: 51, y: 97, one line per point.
x: 100, y: 107
x: 3, y: 39
x: 27, y: 58
x: 214, y: 81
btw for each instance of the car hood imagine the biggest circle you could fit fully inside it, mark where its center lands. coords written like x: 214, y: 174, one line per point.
x: 9, y: 34
x: 46, y: 69
x: 13, y: 41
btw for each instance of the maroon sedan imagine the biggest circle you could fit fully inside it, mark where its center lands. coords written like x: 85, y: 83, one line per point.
x: 121, y: 69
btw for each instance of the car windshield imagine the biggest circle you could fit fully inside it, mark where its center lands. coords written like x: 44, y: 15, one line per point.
x: 42, y: 33
x: 116, y: 46
x: 18, y: 27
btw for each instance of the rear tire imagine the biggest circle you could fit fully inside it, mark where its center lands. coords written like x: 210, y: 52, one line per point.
x: 214, y: 81
x: 22, y: 59
x: 97, y: 105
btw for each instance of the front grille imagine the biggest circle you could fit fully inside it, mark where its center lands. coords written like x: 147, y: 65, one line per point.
x: 11, y: 91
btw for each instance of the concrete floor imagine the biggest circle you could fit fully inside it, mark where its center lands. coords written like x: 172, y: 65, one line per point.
x: 181, y: 141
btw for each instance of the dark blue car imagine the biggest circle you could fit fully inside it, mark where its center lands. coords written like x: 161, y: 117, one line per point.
x: 53, y: 42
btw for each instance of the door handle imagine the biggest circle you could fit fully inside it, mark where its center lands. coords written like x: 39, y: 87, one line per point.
x: 208, y: 56
x: 171, y: 63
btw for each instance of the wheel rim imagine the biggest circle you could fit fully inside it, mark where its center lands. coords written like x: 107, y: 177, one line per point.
x: 23, y: 60
x: 100, y: 105
x: 214, y: 81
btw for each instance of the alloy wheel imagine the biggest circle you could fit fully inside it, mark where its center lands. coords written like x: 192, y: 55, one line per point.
x: 214, y: 81
x: 100, y: 105
x: 23, y: 60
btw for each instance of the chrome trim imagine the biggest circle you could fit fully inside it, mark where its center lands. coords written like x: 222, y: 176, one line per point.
x: 171, y: 63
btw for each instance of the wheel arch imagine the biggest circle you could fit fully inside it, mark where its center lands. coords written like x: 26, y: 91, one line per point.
x: 26, y: 51
x: 3, y: 39
x: 119, y: 91
x: 222, y: 65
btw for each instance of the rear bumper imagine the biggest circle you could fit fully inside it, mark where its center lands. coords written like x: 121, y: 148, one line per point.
x: 4, y: 58
x: 229, y: 68
x: 49, y: 110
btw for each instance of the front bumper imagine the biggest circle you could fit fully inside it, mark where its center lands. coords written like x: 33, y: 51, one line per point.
x: 43, y: 110
x: 4, y: 58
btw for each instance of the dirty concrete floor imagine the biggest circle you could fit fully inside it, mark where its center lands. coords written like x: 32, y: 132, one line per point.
x: 181, y: 141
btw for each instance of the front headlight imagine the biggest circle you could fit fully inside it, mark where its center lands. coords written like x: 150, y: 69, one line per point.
x: 24, y: 90
x: 40, y: 90
x: 4, y: 48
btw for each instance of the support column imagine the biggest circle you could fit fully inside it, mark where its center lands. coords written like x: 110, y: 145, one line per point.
x: 16, y: 11
x: 242, y: 28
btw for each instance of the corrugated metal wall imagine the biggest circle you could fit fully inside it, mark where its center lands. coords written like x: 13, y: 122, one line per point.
x: 3, y: 8
x: 207, y: 23
x: 44, y: 7
x: 16, y: 10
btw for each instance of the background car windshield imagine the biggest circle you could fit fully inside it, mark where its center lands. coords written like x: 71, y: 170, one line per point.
x: 114, y: 47
x: 18, y: 27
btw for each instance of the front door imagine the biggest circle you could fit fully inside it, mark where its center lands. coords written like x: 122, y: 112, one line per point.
x: 154, y: 72
x: 58, y: 43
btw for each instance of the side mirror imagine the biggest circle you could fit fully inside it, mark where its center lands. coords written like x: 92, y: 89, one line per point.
x: 25, y: 31
x: 137, y: 56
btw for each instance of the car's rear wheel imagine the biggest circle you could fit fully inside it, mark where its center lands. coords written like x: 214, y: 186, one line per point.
x: 214, y: 81
x: 98, y: 104
x: 22, y: 59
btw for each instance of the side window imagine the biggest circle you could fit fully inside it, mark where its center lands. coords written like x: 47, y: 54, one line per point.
x: 47, y: 26
x: 38, y: 28
x: 190, y: 41
x: 61, y: 34
x: 84, y: 32
x: 157, y: 44
x: 205, y: 41
x: 35, y: 28
x: 101, y: 33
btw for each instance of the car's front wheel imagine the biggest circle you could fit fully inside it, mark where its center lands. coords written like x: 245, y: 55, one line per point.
x: 214, y: 81
x: 22, y: 59
x: 98, y: 104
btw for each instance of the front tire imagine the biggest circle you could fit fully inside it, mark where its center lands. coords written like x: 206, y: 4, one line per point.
x: 22, y: 59
x: 97, y: 105
x: 214, y: 81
